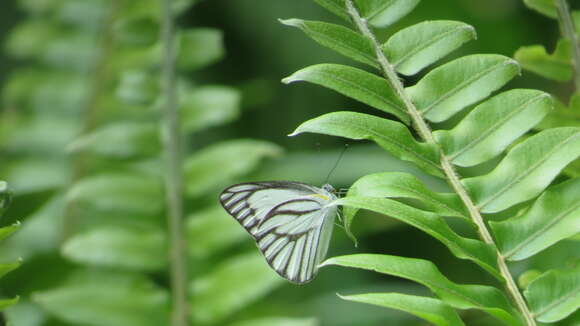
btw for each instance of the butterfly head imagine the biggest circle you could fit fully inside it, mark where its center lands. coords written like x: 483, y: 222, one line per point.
x: 329, y: 188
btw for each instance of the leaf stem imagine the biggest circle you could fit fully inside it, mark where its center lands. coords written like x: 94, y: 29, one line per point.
x: 424, y: 131
x: 173, y: 170
x: 99, y: 76
x: 569, y: 32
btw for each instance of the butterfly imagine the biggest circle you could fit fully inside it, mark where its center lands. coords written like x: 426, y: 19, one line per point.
x: 291, y: 223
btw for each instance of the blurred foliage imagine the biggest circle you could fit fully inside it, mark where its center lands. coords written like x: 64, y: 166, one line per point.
x: 79, y: 137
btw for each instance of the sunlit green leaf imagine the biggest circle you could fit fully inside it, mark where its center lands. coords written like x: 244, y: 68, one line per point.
x: 278, y: 321
x: 430, y: 223
x: 391, y: 135
x: 416, y: 47
x: 199, y: 47
x: 554, y: 295
x: 42, y: 232
x: 209, y: 106
x: 218, y: 164
x: 138, y: 87
x: 5, y: 199
x: 562, y: 115
x: 526, y: 170
x: 121, y: 140
x: 453, y: 86
x: 379, y: 13
x: 132, y: 194
x: 553, y: 217
x: 493, y: 125
x: 335, y: 6
x: 231, y: 286
x: 36, y: 175
x: 338, y: 38
x: 137, y: 31
x: 556, y: 66
x: 546, y: 7
x: 107, y: 299
x: 28, y: 39
x: 429, y: 309
x: 109, y: 246
x: 355, y: 83
x: 481, y: 297
x: 405, y: 185
x: 211, y: 230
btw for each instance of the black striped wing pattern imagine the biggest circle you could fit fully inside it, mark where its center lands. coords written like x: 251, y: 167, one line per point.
x: 290, y: 222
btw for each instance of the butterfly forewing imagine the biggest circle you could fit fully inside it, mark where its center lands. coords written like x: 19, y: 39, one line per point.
x: 290, y: 222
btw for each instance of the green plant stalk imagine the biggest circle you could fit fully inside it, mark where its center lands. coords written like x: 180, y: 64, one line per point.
x: 425, y: 132
x: 569, y: 32
x: 173, y: 171
x: 90, y: 110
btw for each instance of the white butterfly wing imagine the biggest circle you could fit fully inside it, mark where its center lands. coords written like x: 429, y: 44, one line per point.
x: 289, y: 221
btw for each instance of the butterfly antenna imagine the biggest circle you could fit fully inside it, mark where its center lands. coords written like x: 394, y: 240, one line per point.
x: 336, y: 163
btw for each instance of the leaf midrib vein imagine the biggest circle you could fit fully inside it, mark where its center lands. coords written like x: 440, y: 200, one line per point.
x: 370, y: 58
x: 364, y: 90
x: 492, y: 128
x: 396, y: 143
x: 527, y: 171
x: 428, y: 44
x: 462, y: 85
x: 540, y: 231
x: 430, y: 199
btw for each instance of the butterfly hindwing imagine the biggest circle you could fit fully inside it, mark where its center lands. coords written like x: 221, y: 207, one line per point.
x: 289, y: 221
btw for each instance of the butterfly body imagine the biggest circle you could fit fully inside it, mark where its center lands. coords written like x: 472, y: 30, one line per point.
x: 291, y: 223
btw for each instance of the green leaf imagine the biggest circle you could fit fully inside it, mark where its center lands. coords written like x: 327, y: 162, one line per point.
x: 7, y: 231
x: 554, y: 295
x: 481, y: 297
x: 34, y: 175
x: 209, y: 106
x: 526, y: 170
x: 562, y: 116
x: 556, y: 66
x: 138, y: 87
x: 338, y: 38
x: 545, y: 7
x: 231, y: 286
x: 429, y: 309
x: 136, y: 31
x: 278, y: 321
x: 405, y: 185
x: 119, y: 247
x: 354, y: 83
x: 28, y: 39
x: 216, y: 165
x: 416, y: 47
x: 493, y: 125
x: 453, y: 86
x: 121, y: 140
x: 430, y: 223
x: 390, y: 135
x: 199, y: 48
x: 211, y: 230
x: 382, y: 13
x: 132, y: 194
x: 7, y: 268
x: 5, y: 199
x: 553, y: 217
x: 337, y: 7
x: 41, y: 234
x: 379, y: 13
x: 107, y: 299
x: 5, y: 303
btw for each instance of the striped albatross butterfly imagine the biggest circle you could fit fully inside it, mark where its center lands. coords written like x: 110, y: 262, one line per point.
x: 291, y: 223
